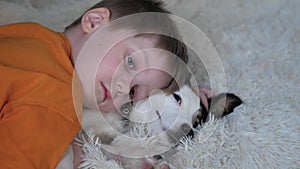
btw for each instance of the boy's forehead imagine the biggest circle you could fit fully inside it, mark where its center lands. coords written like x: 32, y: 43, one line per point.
x: 143, y: 41
x: 111, y: 37
x: 127, y: 38
x: 154, y: 58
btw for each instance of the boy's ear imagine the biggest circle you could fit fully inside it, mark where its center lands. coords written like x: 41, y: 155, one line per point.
x: 95, y: 18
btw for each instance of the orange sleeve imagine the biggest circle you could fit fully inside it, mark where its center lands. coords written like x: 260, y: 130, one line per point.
x: 38, y: 109
x: 34, y: 133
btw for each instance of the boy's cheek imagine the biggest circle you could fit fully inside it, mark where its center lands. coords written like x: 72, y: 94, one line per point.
x: 111, y: 105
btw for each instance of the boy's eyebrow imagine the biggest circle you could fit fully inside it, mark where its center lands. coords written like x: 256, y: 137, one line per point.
x: 145, y: 60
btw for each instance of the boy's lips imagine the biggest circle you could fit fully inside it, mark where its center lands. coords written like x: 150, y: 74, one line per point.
x: 106, y: 92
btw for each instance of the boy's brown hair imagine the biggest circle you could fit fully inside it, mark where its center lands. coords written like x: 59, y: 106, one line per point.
x: 158, y: 20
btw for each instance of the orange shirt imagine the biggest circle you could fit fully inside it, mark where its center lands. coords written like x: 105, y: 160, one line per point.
x: 37, y: 115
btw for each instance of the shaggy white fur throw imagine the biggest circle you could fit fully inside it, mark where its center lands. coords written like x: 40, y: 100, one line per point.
x: 259, y: 44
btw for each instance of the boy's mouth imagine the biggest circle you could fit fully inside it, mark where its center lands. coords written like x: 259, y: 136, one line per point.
x: 106, y: 92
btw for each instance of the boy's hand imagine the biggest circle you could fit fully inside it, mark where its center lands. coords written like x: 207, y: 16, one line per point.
x: 77, y: 153
x: 204, y: 93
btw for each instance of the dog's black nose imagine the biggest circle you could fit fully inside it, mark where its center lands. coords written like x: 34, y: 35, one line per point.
x: 187, y: 130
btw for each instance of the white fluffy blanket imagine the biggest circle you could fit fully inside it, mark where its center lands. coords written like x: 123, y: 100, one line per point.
x: 259, y: 44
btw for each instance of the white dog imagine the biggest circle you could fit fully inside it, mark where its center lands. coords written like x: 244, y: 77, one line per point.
x: 167, y: 118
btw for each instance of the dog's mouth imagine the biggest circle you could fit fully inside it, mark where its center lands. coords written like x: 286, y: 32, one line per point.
x: 199, y: 118
x: 177, y: 132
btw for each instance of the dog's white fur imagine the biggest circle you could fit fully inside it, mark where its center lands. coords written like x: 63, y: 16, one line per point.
x: 163, y: 116
x: 172, y: 114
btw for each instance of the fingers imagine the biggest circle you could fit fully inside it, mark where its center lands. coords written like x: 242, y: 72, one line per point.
x: 164, y: 166
x: 147, y: 166
x: 203, y: 100
x: 77, y: 154
x: 156, y: 163
x: 204, y: 93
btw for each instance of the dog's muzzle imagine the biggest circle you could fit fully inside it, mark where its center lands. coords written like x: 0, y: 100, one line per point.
x: 199, y: 118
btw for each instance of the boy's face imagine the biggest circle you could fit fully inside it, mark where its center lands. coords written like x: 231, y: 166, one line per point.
x: 115, y: 67
x: 130, y: 70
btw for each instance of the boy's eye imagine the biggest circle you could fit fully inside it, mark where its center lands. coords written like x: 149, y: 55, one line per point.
x: 132, y: 93
x: 130, y: 62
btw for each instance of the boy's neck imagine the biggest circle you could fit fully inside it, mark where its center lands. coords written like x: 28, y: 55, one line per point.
x: 77, y: 39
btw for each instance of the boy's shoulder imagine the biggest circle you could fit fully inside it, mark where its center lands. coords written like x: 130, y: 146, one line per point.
x: 23, y: 29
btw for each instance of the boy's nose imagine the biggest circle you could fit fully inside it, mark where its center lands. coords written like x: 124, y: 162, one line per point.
x: 122, y: 89
x: 123, y: 86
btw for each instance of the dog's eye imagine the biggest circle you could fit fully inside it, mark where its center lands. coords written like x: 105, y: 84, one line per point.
x: 177, y: 98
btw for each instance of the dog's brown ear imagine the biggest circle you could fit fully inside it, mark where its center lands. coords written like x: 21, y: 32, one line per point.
x: 224, y: 104
x: 219, y: 106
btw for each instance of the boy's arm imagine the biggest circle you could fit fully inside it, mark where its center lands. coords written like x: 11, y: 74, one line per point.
x: 77, y: 154
x: 32, y: 136
x: 34, y: 132
x: 21, y: 29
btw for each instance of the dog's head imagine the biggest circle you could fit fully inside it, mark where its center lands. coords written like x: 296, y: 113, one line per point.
x: 176, y: 114
x: 167, y: 119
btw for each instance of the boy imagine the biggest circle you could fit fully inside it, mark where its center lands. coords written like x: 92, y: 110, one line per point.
x: 38, y: 117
